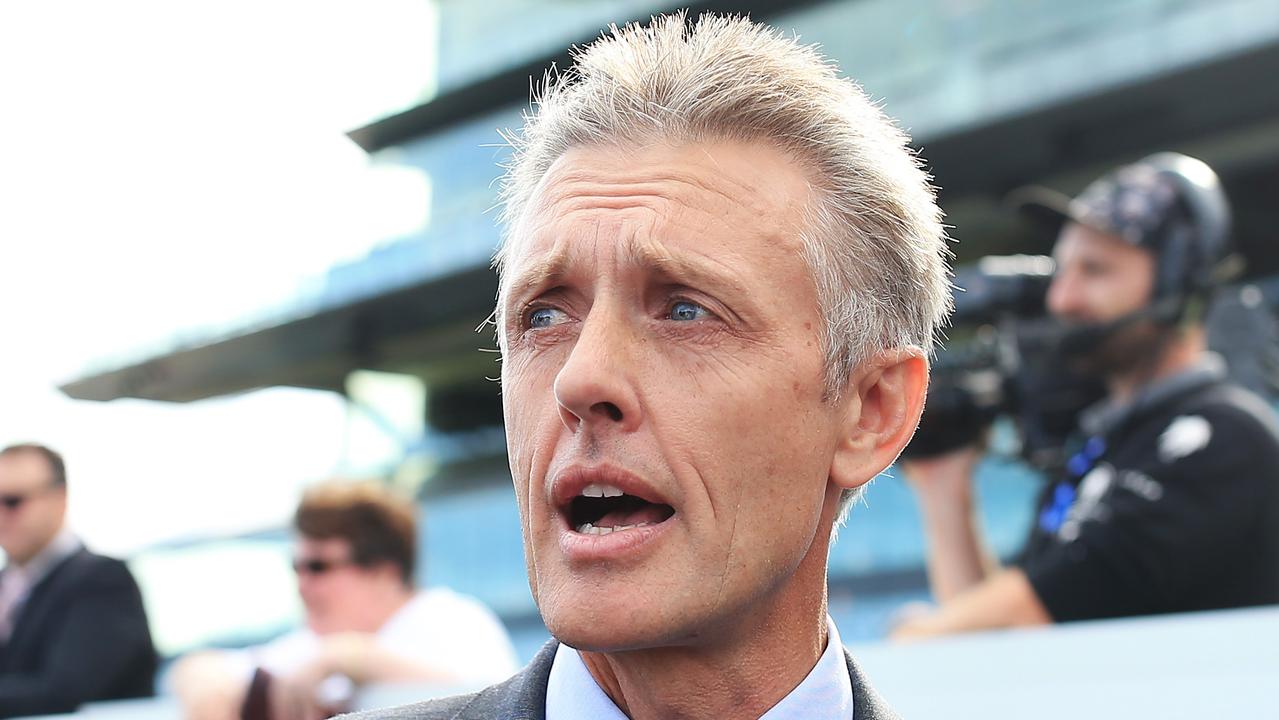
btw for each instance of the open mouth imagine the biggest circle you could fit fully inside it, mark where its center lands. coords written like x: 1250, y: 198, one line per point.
x: 601, y: 509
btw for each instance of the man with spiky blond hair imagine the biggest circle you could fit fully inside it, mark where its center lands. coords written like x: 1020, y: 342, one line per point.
x: 721, y: 277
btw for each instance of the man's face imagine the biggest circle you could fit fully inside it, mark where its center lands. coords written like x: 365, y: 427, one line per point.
x: 335, y: 591
x: 38, y: 507
x: 660, y: 334
x: 1099, y: 276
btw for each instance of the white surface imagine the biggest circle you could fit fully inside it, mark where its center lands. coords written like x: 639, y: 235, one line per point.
x: 1218, y: 664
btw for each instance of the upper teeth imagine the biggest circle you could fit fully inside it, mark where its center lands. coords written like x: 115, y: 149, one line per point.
x: 600, y: 490
x: 589, y: 529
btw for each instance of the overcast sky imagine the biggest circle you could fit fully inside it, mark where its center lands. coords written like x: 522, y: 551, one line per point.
x: 168, y: 166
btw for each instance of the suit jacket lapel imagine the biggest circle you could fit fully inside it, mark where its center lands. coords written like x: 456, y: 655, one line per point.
x: 867, y: 704
x: 523, y: 697
x: 29, y: 622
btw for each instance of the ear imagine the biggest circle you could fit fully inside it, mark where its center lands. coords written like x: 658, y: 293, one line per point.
x: 883, y: 401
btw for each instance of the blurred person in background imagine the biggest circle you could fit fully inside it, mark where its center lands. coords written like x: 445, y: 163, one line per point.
x: 722, y: 271
x: 355, y: 557
x: 1170, y: 502
x: 72, y: 625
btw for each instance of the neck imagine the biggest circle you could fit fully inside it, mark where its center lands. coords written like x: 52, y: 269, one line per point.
x: 1184, y: 348
x: 756, y: 658
x: 390, y: 603
x: 30, y: 557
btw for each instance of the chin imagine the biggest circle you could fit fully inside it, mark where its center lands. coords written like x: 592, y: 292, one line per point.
x: 319, y: 626
x: 593, y: 637
x: 617, y: 629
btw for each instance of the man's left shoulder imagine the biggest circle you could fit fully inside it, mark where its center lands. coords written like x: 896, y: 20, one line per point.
x: 492, y: 703
x: 1224, y: 422
x: 89, y: 568
x: 1234, y: 407
x: 520, y: 697
x: 448, y: 708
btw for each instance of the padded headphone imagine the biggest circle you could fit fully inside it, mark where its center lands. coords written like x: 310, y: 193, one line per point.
x: 1194, y: 243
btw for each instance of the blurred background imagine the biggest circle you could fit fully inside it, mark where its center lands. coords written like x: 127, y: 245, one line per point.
x: 244, y: 247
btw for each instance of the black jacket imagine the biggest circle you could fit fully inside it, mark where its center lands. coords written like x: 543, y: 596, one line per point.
x: 1177, y: 510
x: 523, y: 697
x: 81, y: 636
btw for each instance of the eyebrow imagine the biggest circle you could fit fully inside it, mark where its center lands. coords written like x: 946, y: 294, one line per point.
x: 554, y: 268
x: 544, y: 272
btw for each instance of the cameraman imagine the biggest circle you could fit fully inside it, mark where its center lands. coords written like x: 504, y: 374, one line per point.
x: 1170, y: 501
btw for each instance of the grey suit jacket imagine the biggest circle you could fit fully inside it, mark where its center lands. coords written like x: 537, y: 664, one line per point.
x: 523, y: 697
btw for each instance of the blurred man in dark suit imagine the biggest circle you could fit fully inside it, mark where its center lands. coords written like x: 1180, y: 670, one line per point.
x: 72, y: 626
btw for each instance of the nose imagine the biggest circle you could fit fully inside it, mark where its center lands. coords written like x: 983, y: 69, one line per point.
x: 1064, y: 298
x: 594, y: 388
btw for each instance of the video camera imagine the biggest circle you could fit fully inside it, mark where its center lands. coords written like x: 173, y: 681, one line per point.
x: 1002, y: 360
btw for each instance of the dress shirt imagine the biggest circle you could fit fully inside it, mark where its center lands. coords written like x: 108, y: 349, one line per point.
x: 17, y: 580
x: 825, y: 694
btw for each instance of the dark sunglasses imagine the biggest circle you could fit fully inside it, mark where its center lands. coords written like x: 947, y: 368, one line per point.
x: 13, y: 501
x: 317, y: 566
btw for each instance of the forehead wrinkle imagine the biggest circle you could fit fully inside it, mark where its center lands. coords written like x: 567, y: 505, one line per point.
x: 584, y: 189
x: 652, y: 257
x: 549, y: 269
x: 635, y: 248
x: 672, y: 195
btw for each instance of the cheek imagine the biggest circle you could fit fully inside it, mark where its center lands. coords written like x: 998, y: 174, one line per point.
x: 352, y: 593
x: 312, y: 594
x: 1141, y: 291
x: 1120, y: 297
x: 521, y: 415
x: 532, y: 424
x: 767, y: 442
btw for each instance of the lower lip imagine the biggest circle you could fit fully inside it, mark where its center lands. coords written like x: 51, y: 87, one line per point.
x: 578, y: 547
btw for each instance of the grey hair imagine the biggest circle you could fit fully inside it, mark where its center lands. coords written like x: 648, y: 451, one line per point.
x: 874, y: 238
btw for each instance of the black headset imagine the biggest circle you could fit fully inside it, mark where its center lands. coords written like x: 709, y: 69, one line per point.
x: 1194, y: 244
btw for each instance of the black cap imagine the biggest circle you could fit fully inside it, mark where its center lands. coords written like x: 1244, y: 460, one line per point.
x: 1169, y: 203
x: 1135, y: 203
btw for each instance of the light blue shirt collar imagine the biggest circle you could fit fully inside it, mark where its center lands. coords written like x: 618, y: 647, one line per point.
x: 826, y: 694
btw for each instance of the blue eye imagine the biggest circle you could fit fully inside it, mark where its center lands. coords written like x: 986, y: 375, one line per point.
x: 545, y: 317
x: 685, y: 311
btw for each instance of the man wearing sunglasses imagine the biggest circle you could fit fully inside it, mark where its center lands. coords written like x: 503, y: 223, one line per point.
x: 354, y: 558
x: 72, y: 624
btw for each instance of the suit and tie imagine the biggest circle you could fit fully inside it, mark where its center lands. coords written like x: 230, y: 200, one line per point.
x: 80, y: 635
x: 523, y: 697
